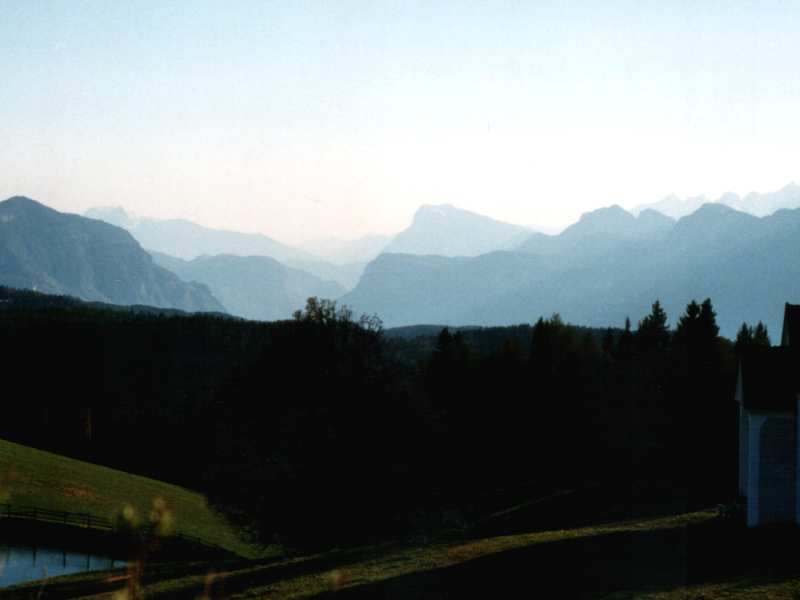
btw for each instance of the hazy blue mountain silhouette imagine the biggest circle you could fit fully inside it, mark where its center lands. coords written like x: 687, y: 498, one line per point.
x: 187, y: 240
x: 766, y: 204
x: 445, y: 230
x: 58, y: 253
x: 604, y: 268
x: 598, y: 232
x: 759, y: 205
x: 184, y: 239
x: 254, y: 287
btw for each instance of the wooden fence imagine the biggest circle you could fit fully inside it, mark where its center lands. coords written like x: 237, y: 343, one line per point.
x: 85, y: 520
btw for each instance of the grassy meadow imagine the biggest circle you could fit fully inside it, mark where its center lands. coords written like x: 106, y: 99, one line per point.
x: 652, y: 557
x: 662, y: 553
x: 31, y: 477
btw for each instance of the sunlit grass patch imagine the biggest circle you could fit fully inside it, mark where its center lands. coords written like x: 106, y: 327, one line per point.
x: 49, y: 481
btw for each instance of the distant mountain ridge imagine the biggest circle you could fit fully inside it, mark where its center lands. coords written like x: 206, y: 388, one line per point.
x: 59, y: 253
x: 445, y: 230
x: 608, y: 266
x: 187, y: 240
x: 598, y: 232
x: 254, y: 287
x: 460, y: 268
x: 759, y: 205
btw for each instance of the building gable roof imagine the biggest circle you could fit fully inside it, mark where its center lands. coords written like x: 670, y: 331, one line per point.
x: 791, y: 325
x: 770, y: 379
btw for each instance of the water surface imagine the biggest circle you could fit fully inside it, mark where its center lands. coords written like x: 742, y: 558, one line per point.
x: 21, y: 564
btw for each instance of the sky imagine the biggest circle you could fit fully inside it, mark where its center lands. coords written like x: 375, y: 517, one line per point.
x: 304, y: 119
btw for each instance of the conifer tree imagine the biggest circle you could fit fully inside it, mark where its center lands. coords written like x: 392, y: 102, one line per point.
x: 708, y: 330
x: 744, y: 339
x: 688, y: 325
x: 752, y: 337
x: 761, y: 336
x: 653, y: 333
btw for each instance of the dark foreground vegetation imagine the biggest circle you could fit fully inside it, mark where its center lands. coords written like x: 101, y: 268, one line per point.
x: 325, y: 431
x: 693, y: 555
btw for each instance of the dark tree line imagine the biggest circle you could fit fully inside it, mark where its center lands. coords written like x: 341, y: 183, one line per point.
x: 326, y: 430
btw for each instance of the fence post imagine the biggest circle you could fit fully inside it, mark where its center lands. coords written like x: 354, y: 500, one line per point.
x: 65, y: 517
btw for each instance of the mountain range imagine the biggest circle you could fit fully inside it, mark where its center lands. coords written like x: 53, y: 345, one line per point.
x: 187, y: 240
x: 254, y: 287
x: 449, y: 267
x: 445, y: 230
x: 759, y: 205
x: 608, y: 266
x: 435, y: 229
x: 57, y: 253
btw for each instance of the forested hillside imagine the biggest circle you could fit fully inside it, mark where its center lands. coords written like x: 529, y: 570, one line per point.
x: 322, y: 430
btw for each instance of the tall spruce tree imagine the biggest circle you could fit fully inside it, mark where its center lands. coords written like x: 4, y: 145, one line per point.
x: 744, y: 339
x: 761, y: 336
x: 708, y: 330
x: 653, y: 333
x: 688, y: 326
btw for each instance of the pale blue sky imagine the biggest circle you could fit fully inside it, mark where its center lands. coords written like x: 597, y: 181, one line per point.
x: 305, y: 119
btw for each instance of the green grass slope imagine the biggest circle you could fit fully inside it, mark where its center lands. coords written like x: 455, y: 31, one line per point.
x: 36, y: 478
x: 661, y: 553
x: 689, y: 555
x: 581, y: 562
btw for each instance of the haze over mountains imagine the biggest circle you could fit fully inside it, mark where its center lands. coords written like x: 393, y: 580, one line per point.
x: 342, y: 252
x: 449, y: 267
x: 254, y: 287
x: 445, y: 230
x: 187, y: 240
x: 57, y: 253
x: 760, y: 205
x: 608, y: 266
x: 597, y: 232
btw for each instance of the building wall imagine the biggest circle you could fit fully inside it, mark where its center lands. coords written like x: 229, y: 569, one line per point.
x: 772, y: 461
x: 744, y: 426
x: 797, y: 465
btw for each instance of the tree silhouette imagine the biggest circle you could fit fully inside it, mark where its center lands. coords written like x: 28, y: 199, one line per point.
x: 761, y: 336
x: 688, y: 326
x: 751, y: 337
x: 744, y: 339
x: 697, y: 330
x: 653, y: 333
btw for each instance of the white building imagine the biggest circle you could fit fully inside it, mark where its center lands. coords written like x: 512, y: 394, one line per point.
x: 768, y: 393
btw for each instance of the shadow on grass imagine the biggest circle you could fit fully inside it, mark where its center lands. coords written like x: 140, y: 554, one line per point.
x: 588, y: 507
x: 581, y: 567
x: 594, y: 567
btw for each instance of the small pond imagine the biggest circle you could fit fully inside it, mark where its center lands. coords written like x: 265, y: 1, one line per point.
x: 21, y: 564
